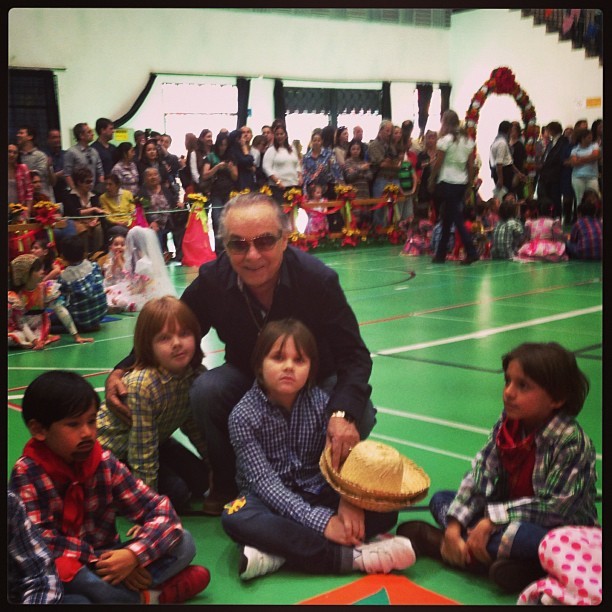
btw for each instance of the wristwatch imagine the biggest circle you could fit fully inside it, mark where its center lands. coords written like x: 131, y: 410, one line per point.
x: 343, y: 415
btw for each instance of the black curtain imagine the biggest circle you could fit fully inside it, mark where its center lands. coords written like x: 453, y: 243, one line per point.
x: 385, y: 103
x: 279, y: 100
x: 445, y: 90
x: 244, y: 86
x: 425, y: 91
x: 137, y: 103
x: 32, y: 101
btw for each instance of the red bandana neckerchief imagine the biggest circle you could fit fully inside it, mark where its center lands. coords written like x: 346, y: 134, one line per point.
x: 517, y: 457
x: 60, y: 473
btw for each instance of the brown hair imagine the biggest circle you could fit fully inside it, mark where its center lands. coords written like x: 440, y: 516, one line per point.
x: 553, y: 368
x: 305, y: 344
x: 153, y: 317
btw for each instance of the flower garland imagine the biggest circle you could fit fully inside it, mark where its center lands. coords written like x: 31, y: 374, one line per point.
x: 47, y: 214
x: 16, y: 212
x: 346, y: 193
x: 502, y: 81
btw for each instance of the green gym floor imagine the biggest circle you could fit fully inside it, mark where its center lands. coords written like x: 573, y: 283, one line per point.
x: 436, y: 334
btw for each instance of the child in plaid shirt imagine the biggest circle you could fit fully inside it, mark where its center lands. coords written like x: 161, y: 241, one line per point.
x: 73, y: 490
x: 82, y: 284
x: 535, y: 472
x: 508, y: 234
x: 168, y: 358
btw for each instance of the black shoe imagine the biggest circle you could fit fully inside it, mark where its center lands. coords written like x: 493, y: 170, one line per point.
x: 470, y: 259
x: 426, y: 539
x: 214, y: 503
x: 438, y: 260
x: 513, y: 575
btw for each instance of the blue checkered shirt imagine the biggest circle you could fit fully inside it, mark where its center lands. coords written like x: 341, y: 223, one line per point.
x: 32, y: 577
x: 563, y: 481
x: 277, y: 453
x: 83, y: 287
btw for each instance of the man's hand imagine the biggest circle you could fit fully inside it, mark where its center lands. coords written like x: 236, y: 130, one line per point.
x: 342, y: 436
x: 114, y: 566
x: 115, y: 393
x: 353, y: 519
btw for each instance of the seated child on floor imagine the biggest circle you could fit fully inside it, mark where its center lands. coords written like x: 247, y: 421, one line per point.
x: 544, y: 240
x: 288, y: 513
x: 73, y: 490
x: 29, y: 323
x: 168, y: 358
x: 535, y: 472
x: 508, y: 234
x: 52, y: 264
x: 145, y: 272
x: 82, y: 285
x: 585, y: 240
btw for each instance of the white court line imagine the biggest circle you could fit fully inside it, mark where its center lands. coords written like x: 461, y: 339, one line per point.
x: 483, y: 333
x: 101, y: 370
x: 426, y: 419
x: 442, y: 422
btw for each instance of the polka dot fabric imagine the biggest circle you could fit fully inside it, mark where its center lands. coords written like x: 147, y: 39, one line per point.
x: 573, y: 560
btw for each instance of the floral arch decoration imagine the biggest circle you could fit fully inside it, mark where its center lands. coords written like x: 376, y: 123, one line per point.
x: 503, y: 81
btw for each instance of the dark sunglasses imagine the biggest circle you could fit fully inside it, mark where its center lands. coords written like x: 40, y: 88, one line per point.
x: 265, y: 242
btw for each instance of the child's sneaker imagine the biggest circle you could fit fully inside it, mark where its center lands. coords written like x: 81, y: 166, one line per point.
x: 255, y: 563
x: 185, y: 585
x: 382, y: 556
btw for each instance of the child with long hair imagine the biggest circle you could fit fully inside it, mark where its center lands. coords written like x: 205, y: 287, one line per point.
x: 52, y: 264
x: 29, y: 297
x: 168, y: 358
x: 287, y: 512
x: 536, y: 472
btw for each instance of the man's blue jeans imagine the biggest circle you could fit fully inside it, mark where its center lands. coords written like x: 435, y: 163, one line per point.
x: 526, y: 540
x: 87, y: 584
x: 305, y: 549
x: 213, y: 394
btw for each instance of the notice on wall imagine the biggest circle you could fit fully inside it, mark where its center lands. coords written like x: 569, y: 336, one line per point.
x: 593, y: 102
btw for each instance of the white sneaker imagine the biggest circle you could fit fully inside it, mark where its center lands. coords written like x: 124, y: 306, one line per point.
x: 255, y: 563
x: 382, y: 556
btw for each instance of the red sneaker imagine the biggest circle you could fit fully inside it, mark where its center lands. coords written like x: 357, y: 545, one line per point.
x: 185, y: 585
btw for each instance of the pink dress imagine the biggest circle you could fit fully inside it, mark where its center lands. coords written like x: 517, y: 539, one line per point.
x: 545, y: 242
x: 572, y: 557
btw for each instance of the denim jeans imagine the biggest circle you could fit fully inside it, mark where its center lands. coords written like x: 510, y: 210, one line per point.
x: 452, y: 212
x: 212, y: 396
x: 526, y: 540
x: 87, y: 584
x: 380, y: 217
x: 305, y: 549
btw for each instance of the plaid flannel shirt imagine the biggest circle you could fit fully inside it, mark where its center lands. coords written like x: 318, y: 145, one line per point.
x: 563, y: 482
x: 83, y: 287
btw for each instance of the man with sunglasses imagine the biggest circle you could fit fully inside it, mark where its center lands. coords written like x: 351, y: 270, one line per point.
x: 258, y: 279
x: 81, y: 154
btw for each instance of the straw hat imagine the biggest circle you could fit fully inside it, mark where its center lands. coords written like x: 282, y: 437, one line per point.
x: 376, y: 477
x: 20, y: 268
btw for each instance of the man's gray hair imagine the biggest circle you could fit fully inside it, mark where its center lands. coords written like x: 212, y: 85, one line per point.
x: 249, y: 199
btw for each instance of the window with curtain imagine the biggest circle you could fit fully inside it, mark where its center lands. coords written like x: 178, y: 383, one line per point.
x: 32, y: 101
x: 308, y: 108
x: 192, y: 107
